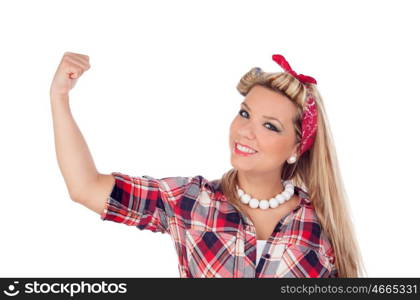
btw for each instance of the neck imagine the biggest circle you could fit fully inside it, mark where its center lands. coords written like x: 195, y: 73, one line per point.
x: 260, y: 186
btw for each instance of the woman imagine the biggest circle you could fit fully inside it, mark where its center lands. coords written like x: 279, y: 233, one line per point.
x: 279, y: 212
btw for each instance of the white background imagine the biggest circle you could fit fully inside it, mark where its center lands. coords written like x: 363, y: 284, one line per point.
x: 158, y: 101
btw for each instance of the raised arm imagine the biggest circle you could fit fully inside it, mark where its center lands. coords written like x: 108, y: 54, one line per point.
x: 84, y: 184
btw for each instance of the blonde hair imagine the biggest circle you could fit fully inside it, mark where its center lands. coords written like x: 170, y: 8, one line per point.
x: 316, y: 171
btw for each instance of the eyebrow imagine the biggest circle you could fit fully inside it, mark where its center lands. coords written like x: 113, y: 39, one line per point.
x: 267, y: 117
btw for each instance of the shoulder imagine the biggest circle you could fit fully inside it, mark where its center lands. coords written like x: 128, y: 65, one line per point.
x: 185, y: 191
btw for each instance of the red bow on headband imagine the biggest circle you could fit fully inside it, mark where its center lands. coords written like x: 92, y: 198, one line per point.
x: 285, y: 65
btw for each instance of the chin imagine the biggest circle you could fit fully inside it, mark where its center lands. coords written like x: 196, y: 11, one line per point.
x: 243, y: 166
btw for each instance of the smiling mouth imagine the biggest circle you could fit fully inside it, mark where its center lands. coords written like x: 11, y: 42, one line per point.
x: 244, y: 151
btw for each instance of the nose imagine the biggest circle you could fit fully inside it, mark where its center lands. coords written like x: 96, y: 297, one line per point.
x: 247, y: 131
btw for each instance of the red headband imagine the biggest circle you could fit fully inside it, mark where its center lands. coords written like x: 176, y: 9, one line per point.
x: 309, y: 120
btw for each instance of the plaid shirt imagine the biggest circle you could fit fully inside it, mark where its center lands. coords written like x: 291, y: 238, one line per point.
x: 212, y: 238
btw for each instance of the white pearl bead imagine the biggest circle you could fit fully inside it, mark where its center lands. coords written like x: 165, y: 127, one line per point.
x: 273, y: 203
x: 254, y: 203
x: 290, y: 190
x: 280, y: 198
x: 245, y: 198
x: 287, y: 194
x: 240, y: 192
x: 264, y: 204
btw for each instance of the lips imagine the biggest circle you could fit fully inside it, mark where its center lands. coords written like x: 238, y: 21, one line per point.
x: 245, y: 146
x: 241, y: 153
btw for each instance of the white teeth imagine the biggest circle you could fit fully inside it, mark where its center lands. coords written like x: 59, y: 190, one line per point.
x: 244, y: 149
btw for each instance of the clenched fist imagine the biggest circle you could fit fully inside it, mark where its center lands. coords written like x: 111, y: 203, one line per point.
x: 71, y: 67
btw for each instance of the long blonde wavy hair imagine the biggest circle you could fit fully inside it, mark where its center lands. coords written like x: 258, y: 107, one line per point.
x: 316, y: 171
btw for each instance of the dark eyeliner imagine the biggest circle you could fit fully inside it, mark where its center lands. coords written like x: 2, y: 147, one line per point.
x: 275, y: 128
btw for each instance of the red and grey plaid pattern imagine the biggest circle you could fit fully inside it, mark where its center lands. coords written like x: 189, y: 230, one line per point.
x: 212, y: 238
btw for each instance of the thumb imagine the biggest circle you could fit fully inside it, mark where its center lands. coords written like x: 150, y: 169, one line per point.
x: 74, y: 75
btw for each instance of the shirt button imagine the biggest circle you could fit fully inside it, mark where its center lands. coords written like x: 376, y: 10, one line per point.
x: 267, y: 255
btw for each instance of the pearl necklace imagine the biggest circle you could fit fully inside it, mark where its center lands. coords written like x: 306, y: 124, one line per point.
x: 273, y: 202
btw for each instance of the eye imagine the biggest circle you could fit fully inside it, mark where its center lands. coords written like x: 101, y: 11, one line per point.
x: 240, y: 111
x: 273, y: 128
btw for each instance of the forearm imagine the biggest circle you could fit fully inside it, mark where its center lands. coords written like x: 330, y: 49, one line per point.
x: 74, y: 159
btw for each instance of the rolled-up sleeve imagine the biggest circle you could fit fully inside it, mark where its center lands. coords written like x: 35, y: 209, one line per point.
x: 145, y: 202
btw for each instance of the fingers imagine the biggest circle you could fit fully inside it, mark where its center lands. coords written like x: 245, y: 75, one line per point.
x: 76, y: 64
x: 81, y: 56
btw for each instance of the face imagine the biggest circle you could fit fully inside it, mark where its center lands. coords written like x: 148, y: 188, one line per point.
x: 274, y: 140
